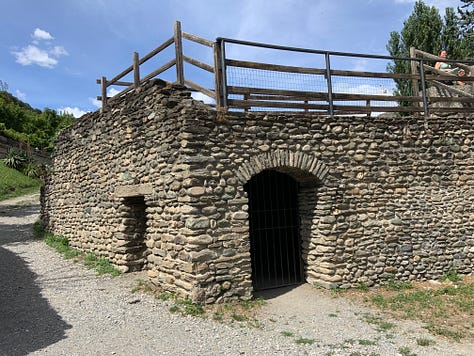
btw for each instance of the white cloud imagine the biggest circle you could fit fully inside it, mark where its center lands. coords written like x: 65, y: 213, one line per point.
x: 95, y: 102
x: 76, y: 112
x: 40, y: 34
x: 110, y: 93
x: 360, y: 65
x: 35, y: 54
x: 440, y: 4
x: 20, y: 95
x: 202, y: 97
x: 58, y: 51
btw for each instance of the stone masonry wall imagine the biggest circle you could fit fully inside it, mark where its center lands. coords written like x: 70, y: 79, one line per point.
x: 380, y: 198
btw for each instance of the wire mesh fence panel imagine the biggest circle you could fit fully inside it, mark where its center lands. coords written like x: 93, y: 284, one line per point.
x: 257, y: 78
x: 240, y: 75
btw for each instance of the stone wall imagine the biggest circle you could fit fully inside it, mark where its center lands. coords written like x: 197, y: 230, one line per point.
x: 157, y: 183
x: 7, y: 143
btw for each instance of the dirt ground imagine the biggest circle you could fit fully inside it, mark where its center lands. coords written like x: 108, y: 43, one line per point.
x: 53, y: 306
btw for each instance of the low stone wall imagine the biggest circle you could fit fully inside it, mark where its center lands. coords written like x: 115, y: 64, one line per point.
x: 157, y: 183
x: 6, y: 144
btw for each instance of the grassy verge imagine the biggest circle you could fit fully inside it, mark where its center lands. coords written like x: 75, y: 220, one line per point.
x: 446, y: 307
x: 14, y: 184
x: 61, y: 245
x: 242, y: 313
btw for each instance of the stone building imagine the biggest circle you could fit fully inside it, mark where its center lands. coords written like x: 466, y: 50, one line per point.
x: 215, y: 206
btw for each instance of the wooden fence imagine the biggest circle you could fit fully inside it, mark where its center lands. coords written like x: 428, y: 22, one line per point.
x: 328, y: 99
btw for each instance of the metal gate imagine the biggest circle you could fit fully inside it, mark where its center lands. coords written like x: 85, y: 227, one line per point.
x: 275, y: 244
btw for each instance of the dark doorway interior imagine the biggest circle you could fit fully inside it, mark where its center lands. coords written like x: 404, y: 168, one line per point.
x: 275, y: 244
x: 135, y: 222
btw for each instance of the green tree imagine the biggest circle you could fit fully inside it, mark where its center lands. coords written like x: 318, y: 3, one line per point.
x: 425, y: 30
x: 3, y: 86
x: 466, y: 24
x: 421, y: 30
x: 451, y: 36
x: 466, y: 14
x: 37, y: 128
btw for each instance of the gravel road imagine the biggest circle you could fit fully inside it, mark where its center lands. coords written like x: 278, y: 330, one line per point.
x: 52, y: 306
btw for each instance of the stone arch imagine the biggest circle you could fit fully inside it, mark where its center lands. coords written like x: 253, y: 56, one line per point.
x: 315, y: 199
x: 282, y: 159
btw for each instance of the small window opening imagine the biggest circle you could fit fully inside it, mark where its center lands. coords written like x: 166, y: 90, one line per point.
x: 135, y: 222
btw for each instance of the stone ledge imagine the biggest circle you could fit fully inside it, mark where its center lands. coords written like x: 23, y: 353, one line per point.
x: 127, y: 191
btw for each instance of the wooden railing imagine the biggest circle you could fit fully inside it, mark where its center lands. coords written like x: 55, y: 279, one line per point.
x: 439, y: 78
x: 177, y: 62
x: 322, y: 94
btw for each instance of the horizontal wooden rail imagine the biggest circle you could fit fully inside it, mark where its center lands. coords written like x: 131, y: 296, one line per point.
x: 370, y: 109
x: 160, y: 70
x: 275, y: 104
x: 308, y: 95
x: 120, y: 76
x: 124, y: 84
x: 315, y: 71
x: 438, y: 59
x: 157, y: 50
x: 197, y: 39
x: 248, y: 90
x: 199, y: 64
x: 452, y: 99
x: 201, y: 89
x: 274, y: 67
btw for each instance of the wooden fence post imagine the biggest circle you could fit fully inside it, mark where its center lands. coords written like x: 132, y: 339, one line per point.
x: 178, y: 45
x: 414, y: 81
x: 218, y: 74
x: 136, y: 70
x: 103, y: 85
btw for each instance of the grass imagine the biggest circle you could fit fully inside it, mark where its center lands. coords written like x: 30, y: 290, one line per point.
x: 61, y: 245
x: 100, y: 264
x: 243, y: 312
x: 405, y: 351
x: 186, y: 307
x: 445, y: 307
x: 304, y: 341
x: 14, y: 183
x: 425, y: 342
x: 383, y: 325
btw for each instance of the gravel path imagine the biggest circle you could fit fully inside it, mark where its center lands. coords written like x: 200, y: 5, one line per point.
x: 52, y: 306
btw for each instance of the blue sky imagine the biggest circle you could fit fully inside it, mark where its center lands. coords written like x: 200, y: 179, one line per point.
x: 52, y: 51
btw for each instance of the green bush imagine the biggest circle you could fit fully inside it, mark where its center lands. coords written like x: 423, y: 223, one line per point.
x: 31, y: 169
x: 15, y: 159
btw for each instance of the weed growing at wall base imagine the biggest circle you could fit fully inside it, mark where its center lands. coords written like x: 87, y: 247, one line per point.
x: 61, y: 245
x: 243, y: 313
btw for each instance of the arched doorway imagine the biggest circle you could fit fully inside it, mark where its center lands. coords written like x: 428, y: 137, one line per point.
x: 275, y: 243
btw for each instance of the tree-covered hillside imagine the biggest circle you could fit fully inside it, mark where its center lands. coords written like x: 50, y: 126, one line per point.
x: 34, y: 127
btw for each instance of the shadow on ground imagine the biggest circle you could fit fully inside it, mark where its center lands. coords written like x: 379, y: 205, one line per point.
x: 27, y: 321
x: 275, y: 292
